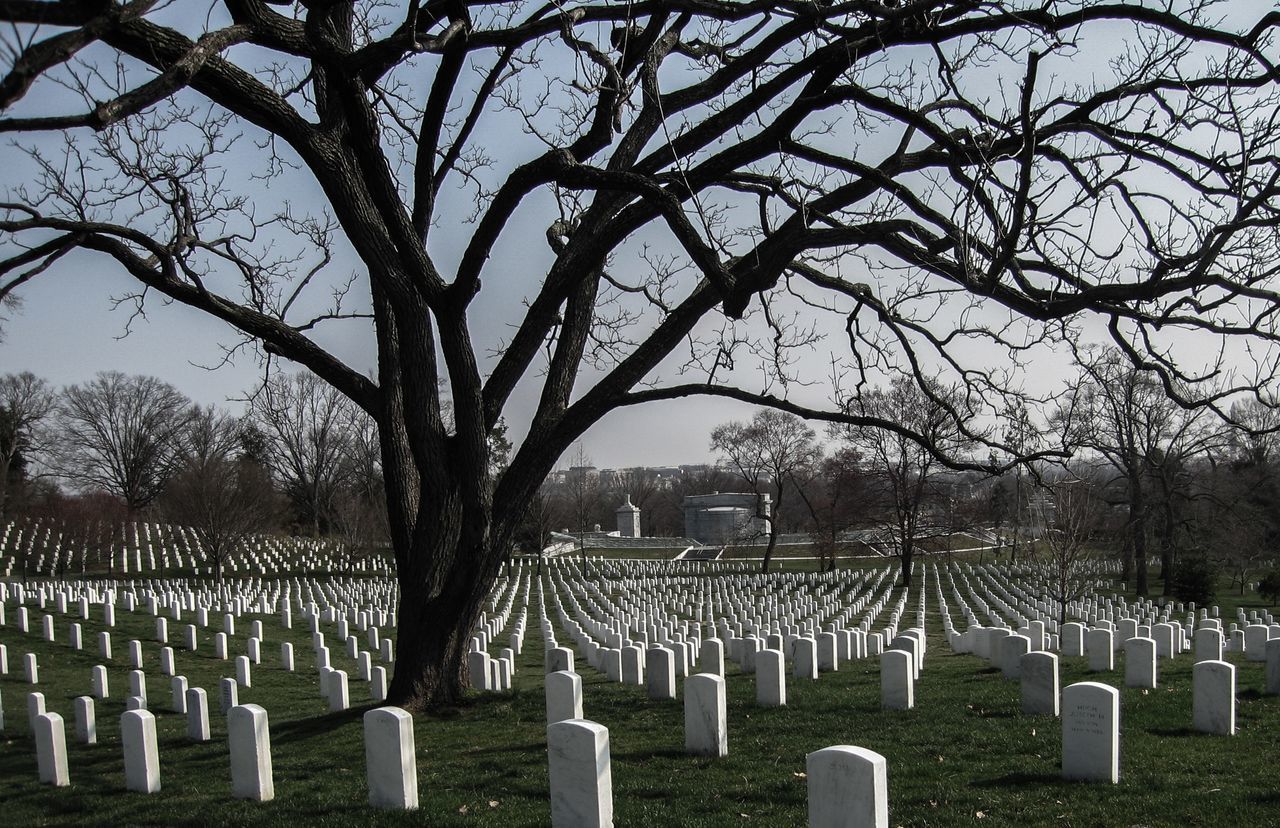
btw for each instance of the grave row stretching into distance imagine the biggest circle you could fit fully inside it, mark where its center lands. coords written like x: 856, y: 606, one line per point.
x: 632, y: 636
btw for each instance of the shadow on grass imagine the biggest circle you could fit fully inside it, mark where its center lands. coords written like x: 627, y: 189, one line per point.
x: 312, y: 726
x: 1172, y: 731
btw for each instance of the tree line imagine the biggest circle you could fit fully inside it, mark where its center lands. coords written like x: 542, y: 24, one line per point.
x: 117, y: 448
x: 1125, y: 474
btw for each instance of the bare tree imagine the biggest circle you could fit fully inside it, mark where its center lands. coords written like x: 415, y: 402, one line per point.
x: 709, y: 220
x: 220, y: 495
x: 1123, y: 414
x: 1023, y: 437
x: 306, y: 425
x: 122, y: 434
x: 25, y: 404
x: 1070, y: 514
x: 836, y: 498
x: 771, y: 450
x: 582, y: 498
x: 359, y: 513
x: 539, y: 523
x: 904, y: 470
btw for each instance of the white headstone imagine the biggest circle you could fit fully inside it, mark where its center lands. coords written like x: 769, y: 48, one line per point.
x: 1101, y: 654
x: 706, y: 730
x: 804, y: 657
x: 564, y: 696
x: 1213, y: 697
x: 1272, y: 684
x: 167, y: 661
x: 1140, y: 663
x: 580, y: 776
x: 897, y: 687
x: 771, y: 679
x: 197, y: 715
x: 243, y: 675
x: 98, y: 679
x: 339, y: 691
x: 178, y: 694
x: 478, y: 664
x: 378, y: 684
x: 1012, y: 649
x: 390, y: 759
x: 141, y: 757
x: 286, y: 657
x: 230, y: 694
x: 138, y: 685
x: 35, y: 707
x: 848, y: 788
x: 51, y: 749
x: 711, y: 657
x: 1091, y: 732
x: 559, y: 659
x: 249, y: 738
x: 660, y: 667
x: 1255, y: 642
x: 1208, y: 644
x: 1040, y: 684
x: 31, y: 668
x: 1073, y: 639
x: 86, y: 720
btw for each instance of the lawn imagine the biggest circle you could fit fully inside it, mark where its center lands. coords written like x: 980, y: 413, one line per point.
x: 964, y: 755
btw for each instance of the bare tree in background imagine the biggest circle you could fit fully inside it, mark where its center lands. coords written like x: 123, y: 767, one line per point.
x: 1123, y: 414
x: 25, y: 404
x: 305, y: 424
x: 1070, y: 514
x: 582, y: 498
x: 1023, y: 437
x: 359, y: 513
x: 904, y: 470
x: 724, y: 189
x: 837, y: 497
x: 770, y: 451
x: 223, y: 497
x: 122, y: 434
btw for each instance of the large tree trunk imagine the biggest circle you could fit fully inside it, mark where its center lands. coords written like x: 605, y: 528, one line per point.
x: 433, y: 636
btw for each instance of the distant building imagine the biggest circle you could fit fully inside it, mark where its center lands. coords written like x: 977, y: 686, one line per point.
x: 722, y: 518
x: 628, y: 519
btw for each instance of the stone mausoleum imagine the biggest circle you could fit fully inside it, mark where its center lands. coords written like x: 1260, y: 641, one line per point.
x: 725, y: 517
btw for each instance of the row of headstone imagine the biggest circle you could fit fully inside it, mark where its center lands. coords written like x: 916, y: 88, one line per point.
x: 847, y: 786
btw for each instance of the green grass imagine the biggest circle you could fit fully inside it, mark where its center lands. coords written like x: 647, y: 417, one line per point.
x: 964, y: 755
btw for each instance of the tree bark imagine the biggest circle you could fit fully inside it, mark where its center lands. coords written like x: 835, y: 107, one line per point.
x: 433, y: 635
